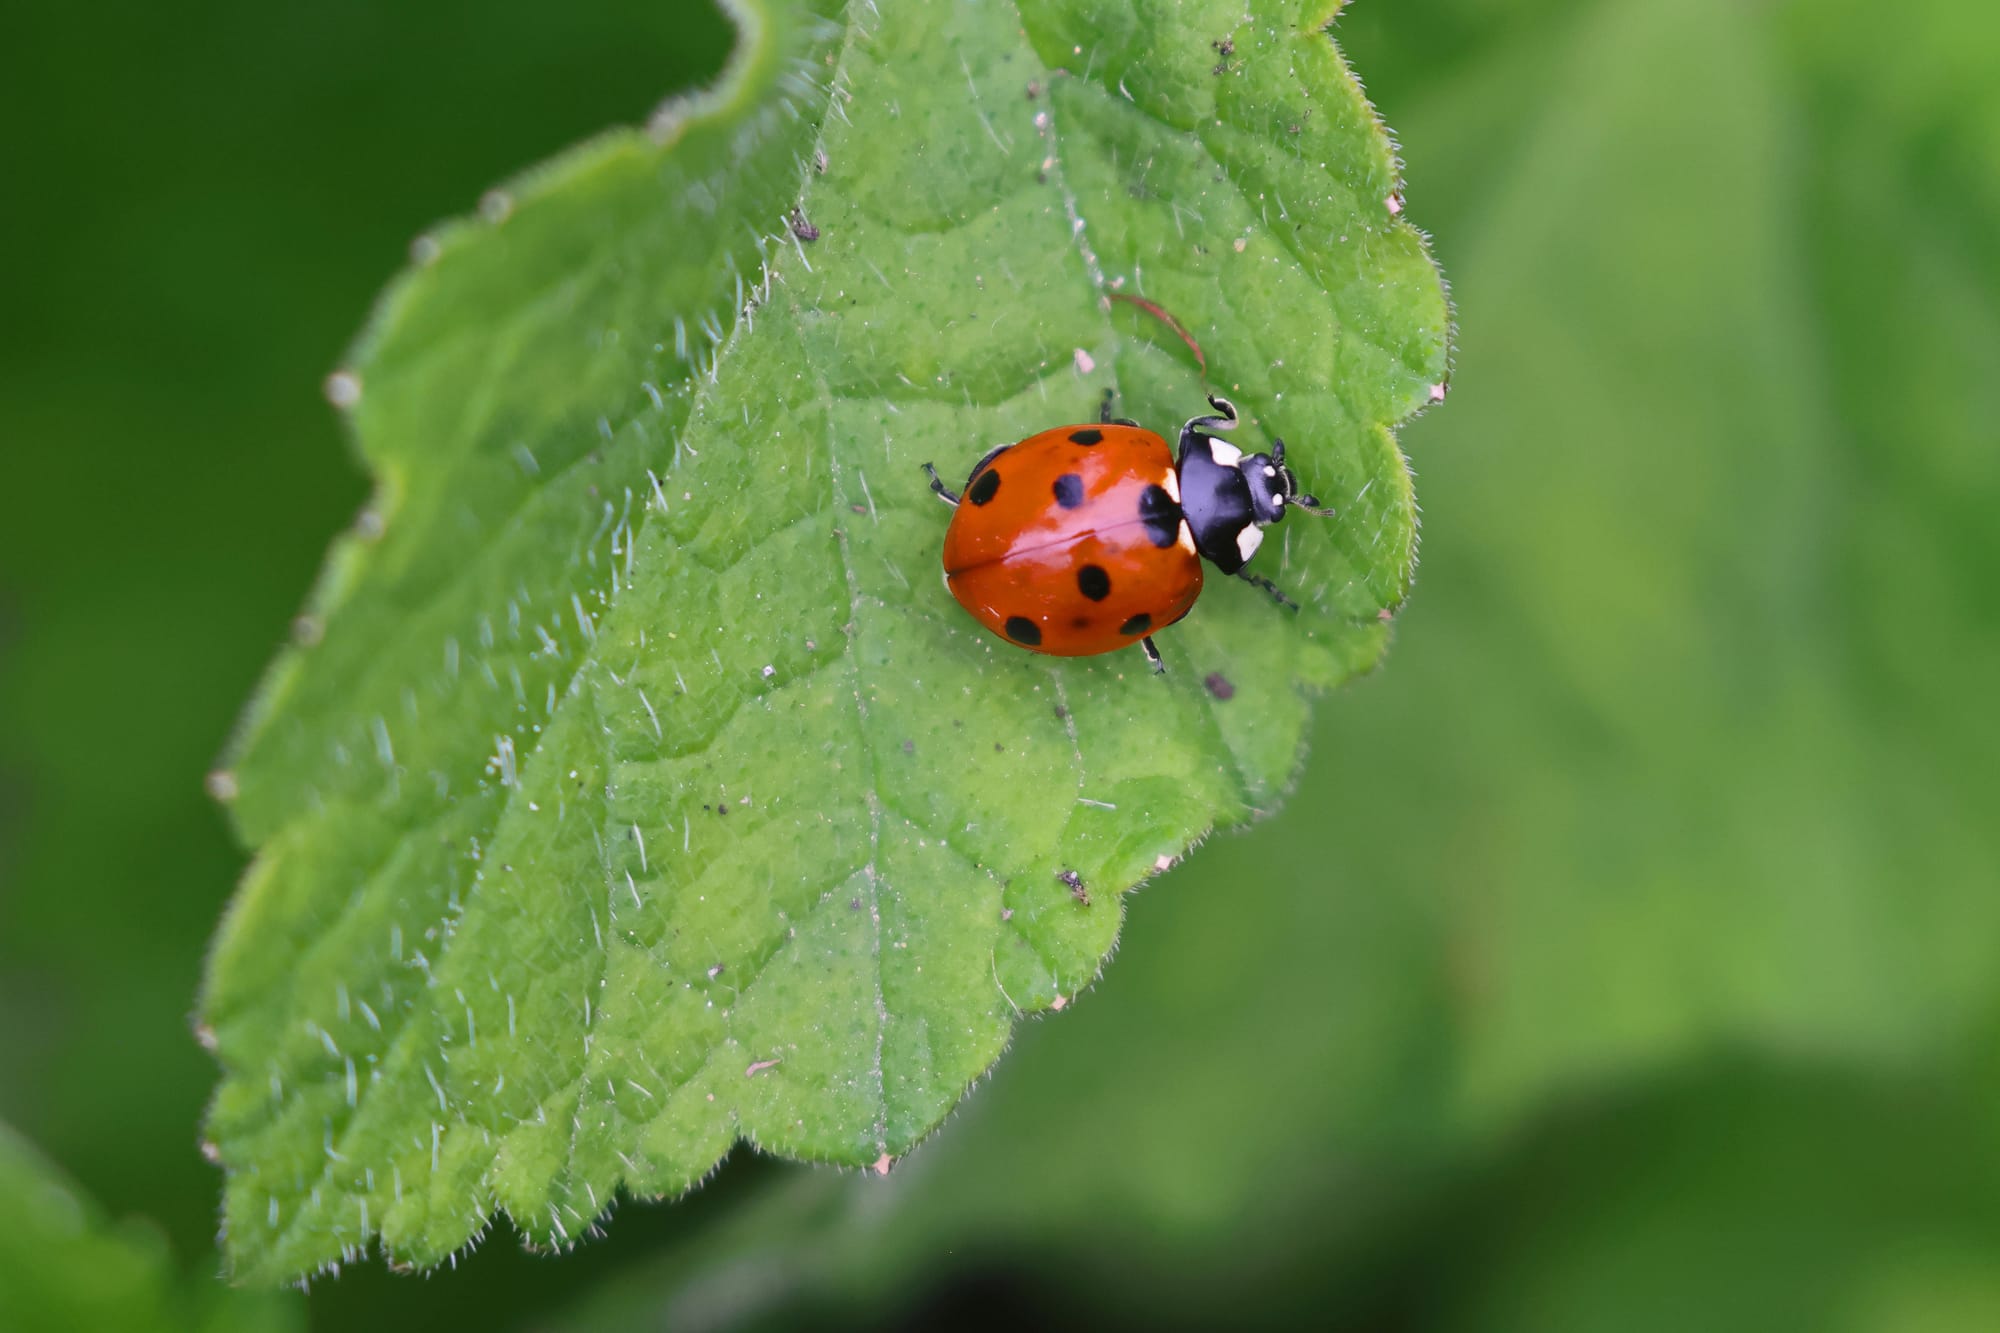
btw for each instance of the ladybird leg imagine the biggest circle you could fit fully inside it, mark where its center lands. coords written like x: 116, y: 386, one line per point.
x: 938, y: 486
x: 1277, y: 595
x: 1104, y: 417
x: 1153, y: 655
x: 1209, y: 425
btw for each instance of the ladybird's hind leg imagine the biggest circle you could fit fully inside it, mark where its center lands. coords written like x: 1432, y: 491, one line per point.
x: 1104, y: 417
x: 1153, y: 655
x: 938, y: 485
x: 1277, y: 593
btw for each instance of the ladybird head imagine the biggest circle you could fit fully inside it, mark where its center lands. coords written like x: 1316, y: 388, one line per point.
x: 1273, y: 486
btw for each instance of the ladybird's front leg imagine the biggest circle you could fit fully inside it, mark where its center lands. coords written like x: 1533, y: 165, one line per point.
x: 1153, y: 655
x: 1104, y: 417
x: 937, y: 485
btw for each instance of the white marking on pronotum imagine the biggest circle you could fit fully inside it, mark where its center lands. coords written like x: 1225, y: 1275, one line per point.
x: 1248, y: 540
x: 1224, y: 453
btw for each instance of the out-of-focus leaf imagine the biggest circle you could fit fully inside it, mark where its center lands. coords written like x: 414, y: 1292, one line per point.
x: 65, y: 1267
x: 635, y: 787
x: 1739, y: 1201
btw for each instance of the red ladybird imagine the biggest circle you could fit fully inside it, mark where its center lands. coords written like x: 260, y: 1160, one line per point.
x: 1083, y: 539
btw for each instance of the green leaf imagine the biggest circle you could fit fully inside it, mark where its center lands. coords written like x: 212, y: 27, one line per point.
x: 634, y: 786
x: 64, y: 1266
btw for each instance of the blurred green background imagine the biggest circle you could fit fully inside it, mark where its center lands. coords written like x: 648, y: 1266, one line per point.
x: 1629, y: 955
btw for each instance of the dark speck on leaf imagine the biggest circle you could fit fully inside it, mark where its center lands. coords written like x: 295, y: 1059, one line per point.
x: 998, y: 747
x: 909, y: 747
x: 1076, y: 888
x: 1062, y: 714
x: 853, y: 904
x: 1219, y: 685
x: 721, y: 809
x: 801, y: 228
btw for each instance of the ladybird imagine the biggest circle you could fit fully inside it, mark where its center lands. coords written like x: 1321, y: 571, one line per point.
x: 1085, y: 539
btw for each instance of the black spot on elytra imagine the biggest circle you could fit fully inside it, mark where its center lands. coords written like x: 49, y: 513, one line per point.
x: 1138, y: 624
x: 985, y: 488
x: 1023, y: 630
x: 1086, y: 436
x: 1161, y: 515
x: 1069, y: 490
x: 1093, y: 582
